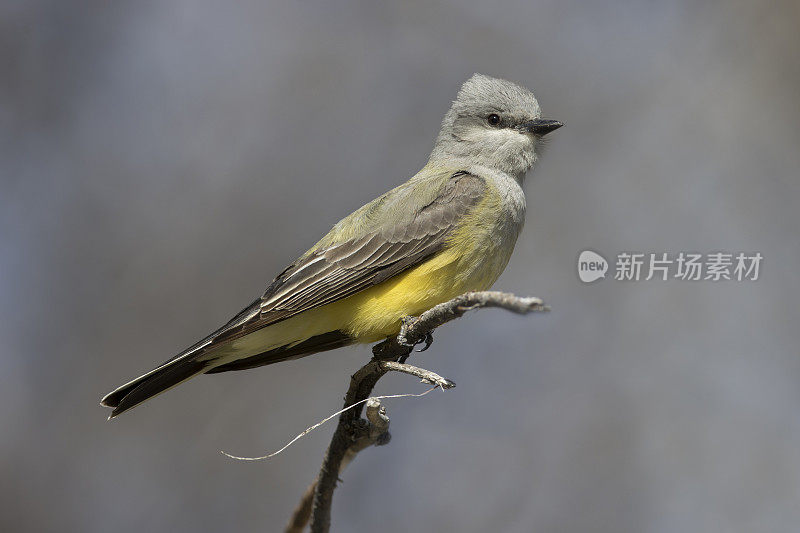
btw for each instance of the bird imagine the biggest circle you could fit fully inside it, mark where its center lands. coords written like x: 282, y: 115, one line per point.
x: 449, y: 229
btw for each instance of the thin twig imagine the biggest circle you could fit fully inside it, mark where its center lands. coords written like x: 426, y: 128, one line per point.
x: 425, y: 376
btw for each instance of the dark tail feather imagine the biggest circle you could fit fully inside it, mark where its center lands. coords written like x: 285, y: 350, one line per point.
x: 319, y: 343
x: 155, y: 382
x: 187, y: 365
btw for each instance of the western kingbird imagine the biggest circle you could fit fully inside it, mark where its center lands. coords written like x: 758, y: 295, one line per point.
x: 449, y: 229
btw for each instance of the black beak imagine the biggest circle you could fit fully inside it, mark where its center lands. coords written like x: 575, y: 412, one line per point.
x: 541, y: 126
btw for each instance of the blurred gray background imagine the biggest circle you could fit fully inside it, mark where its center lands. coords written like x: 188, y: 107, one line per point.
x: 162, y: 161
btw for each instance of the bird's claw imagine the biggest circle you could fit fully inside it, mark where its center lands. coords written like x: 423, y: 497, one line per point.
x: 402, y: 339
x: 427, y: 340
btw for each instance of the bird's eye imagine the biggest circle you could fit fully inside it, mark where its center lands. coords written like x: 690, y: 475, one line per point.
x: 493, y: 119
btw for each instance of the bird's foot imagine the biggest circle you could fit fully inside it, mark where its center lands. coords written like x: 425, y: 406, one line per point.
x: 402, y: 338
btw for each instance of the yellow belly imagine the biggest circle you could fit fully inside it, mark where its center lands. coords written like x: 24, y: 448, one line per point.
x: 377, y: 312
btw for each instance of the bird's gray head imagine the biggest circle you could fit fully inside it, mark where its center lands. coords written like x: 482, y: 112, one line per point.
x: 492, y: 123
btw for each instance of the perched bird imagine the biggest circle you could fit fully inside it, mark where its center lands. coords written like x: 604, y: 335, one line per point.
x: 449, y: 229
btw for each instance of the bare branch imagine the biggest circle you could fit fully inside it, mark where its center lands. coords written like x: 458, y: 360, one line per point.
x: 353, y: 433
x: 416, y: 329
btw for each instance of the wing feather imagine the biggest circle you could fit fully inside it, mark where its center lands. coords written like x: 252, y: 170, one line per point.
x: 330, y: 273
